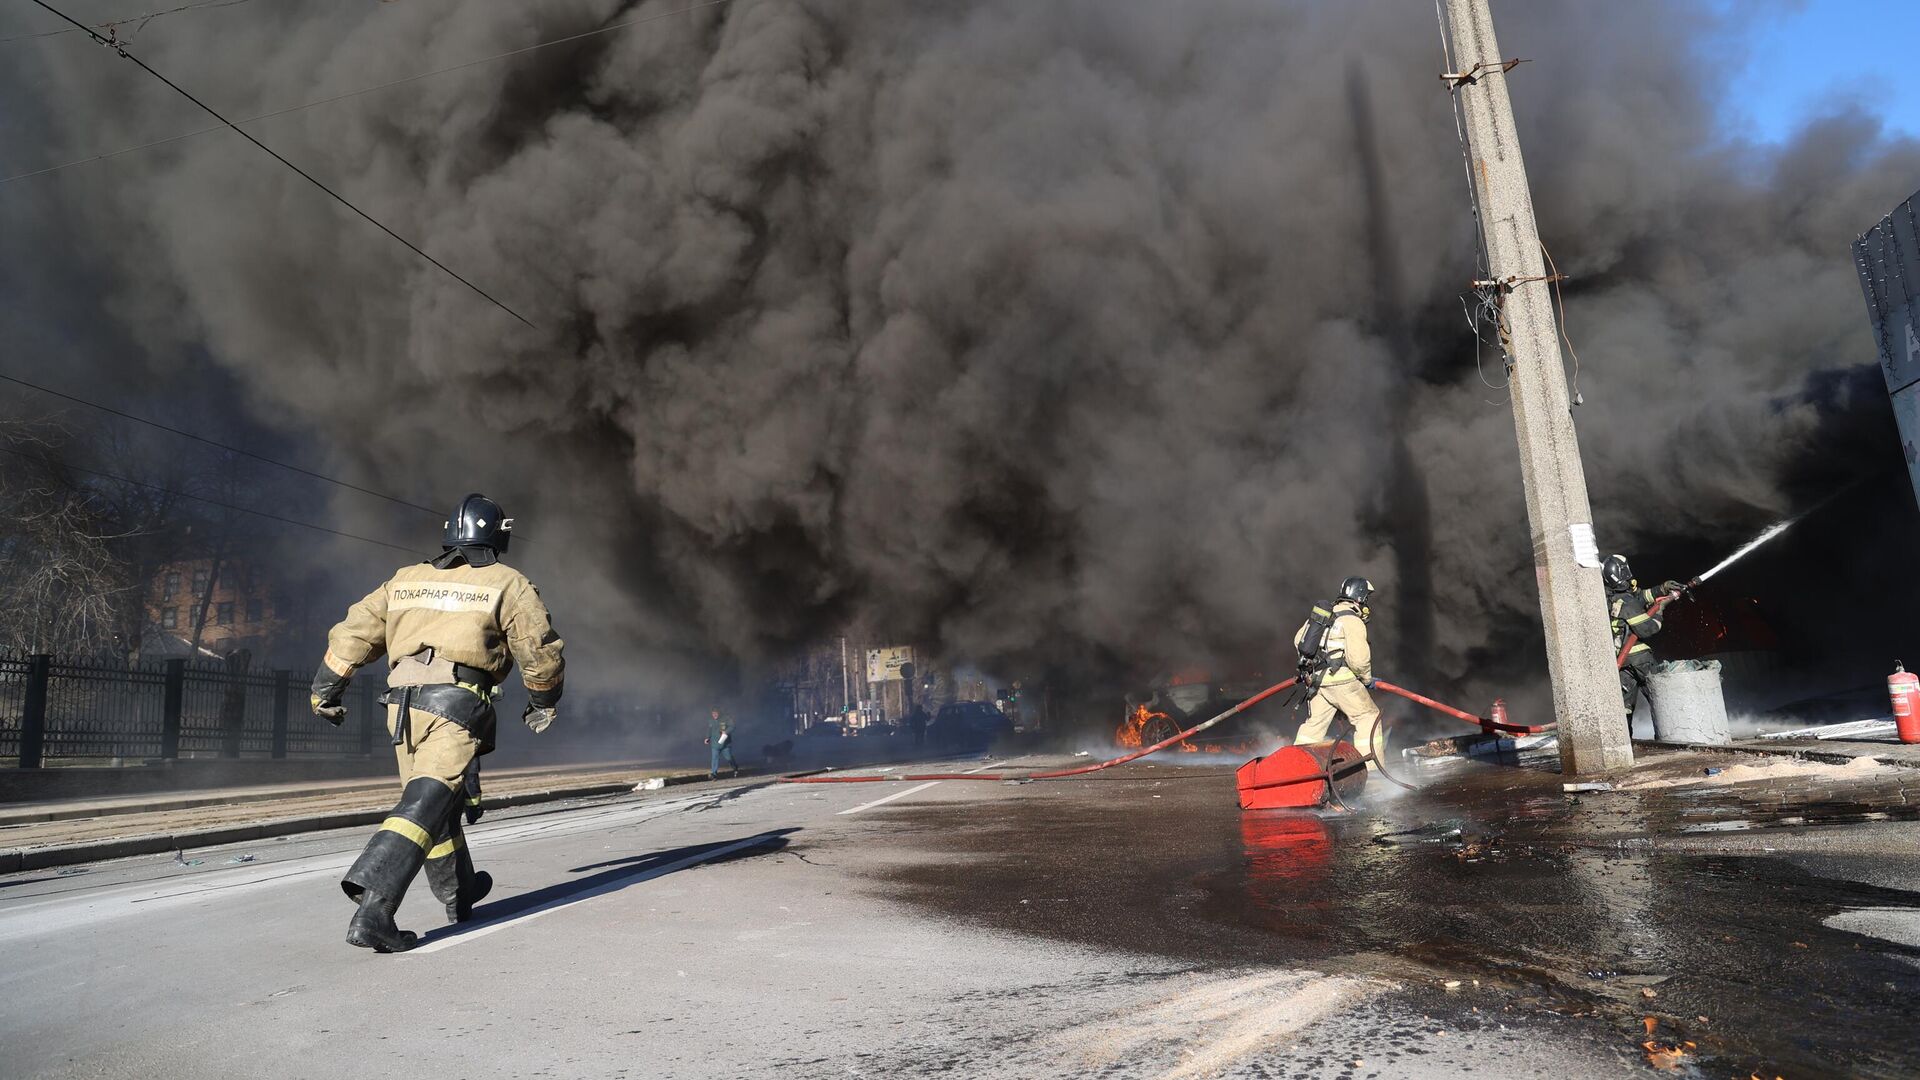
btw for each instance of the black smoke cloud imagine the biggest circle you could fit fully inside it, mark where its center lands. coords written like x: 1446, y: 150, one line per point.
x: 1051, y: 332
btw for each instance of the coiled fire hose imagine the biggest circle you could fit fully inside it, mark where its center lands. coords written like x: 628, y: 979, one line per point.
x: 1486, y: 724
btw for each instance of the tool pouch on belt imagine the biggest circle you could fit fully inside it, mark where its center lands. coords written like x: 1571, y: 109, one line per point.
x: 445, y: 689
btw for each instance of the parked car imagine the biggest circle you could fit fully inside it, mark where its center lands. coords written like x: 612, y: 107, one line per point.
x: 968, y: 725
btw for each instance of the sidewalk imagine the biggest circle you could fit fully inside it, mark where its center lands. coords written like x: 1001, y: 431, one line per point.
x: 79, y: 831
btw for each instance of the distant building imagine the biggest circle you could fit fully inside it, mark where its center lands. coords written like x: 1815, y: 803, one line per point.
x: 225, y: 606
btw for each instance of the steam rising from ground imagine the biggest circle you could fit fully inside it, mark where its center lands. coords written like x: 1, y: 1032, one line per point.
x: 1046, y: 331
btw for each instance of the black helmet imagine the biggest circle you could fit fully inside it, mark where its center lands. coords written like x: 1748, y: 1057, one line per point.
x: 478, y: 522
x: 1356, y: 589
x: 1616, y: 573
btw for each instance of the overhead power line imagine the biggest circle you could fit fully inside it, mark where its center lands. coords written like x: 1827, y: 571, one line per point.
x: 57, y: 463
x: 609, y: 28
x: 220, y: 445
x: 337, y: 197
x: 114, y: 24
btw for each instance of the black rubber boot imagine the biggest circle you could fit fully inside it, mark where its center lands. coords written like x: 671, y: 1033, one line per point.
x: 373, y: 928
x: 378, y: 879
x: 456, y: 884
x: 473, y: 890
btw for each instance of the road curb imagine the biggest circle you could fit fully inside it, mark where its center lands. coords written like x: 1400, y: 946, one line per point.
x: 1829, y: 757
x: 40, y: 858
x: 194, y: 801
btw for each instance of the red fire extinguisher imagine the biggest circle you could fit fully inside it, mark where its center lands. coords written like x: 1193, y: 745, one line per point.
x: 1903, y: 687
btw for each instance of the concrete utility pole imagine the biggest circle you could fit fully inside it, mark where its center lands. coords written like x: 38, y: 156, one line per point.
x: 1573, y: 604
x: 845, y: 690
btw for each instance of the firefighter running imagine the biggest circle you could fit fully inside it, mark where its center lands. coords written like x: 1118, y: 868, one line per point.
x: 1635, y: 613
x: 1336, y: 664
x: 452, y: 628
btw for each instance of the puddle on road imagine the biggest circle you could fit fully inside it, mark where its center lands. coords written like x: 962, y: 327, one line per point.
x: 1567, y: 904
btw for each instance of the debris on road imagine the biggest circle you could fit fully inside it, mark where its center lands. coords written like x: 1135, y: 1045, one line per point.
x: 1587, y: 785
x: 243, y: 858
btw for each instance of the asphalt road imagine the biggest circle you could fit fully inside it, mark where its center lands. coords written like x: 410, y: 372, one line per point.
x: 1133, y: 924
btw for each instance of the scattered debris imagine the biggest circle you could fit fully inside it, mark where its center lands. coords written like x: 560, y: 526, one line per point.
x: 1451, y: 984
x: 1773, y: 768
x: 180, y: 859
x: 70, y: 871
x: 243, y: 858
x: 1440, y: 832
x: 651, y: 784
x: 1648, y: 992
x: 1587, y: 785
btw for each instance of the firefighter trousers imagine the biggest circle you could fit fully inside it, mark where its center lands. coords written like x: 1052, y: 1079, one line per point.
x: 433, y: 755
x: 1349, y: 699
x: 1633, y: 683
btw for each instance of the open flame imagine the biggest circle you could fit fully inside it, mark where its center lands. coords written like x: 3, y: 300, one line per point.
x: 1132, y: 732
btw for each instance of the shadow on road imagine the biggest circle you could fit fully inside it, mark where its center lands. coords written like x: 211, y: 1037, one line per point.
x: 613, y: 876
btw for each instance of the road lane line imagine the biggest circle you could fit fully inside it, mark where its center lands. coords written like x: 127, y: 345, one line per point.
x: 612, y: 885
x: 36, y: 916
x: 888, y: 799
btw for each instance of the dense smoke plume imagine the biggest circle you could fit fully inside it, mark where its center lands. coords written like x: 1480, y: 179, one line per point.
x: 1051, y: 332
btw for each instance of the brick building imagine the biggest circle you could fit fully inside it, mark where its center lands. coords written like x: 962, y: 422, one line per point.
x: 242, y: 609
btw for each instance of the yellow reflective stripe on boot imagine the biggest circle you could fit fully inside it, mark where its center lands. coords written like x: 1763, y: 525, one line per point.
x: 447, y: 847
x: 409, y: 830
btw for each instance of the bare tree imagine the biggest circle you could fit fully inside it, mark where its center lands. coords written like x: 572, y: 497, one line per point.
x: 62, y: 589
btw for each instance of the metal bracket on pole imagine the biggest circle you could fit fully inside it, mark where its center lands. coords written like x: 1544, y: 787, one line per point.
x: 1511, y: 281
x: 1457, y: 79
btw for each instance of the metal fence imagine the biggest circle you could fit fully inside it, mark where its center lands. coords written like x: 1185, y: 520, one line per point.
x: 94, y: 711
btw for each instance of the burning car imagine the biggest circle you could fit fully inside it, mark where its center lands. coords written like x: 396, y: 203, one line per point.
x: 1173, y: 704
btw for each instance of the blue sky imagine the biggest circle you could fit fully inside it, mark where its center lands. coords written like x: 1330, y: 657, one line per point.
x: 1808, y: 55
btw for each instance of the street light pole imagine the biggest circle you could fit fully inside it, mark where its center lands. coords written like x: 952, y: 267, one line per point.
x: 1573, y: 608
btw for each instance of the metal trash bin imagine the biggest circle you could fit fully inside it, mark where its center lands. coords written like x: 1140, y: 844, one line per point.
x: 1687, y: 703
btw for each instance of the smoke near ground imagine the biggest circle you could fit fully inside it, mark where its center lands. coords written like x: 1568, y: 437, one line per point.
x: 1049, y: 332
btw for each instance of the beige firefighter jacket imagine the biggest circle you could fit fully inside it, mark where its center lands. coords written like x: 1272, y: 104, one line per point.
x: 486, y: 617
x: 1346, y: 640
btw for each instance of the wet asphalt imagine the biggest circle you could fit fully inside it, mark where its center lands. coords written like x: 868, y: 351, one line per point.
x: 1715, y: 915
x: 1133, y: 923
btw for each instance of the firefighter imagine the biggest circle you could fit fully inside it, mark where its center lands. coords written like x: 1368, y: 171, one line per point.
x: 720, y: 738
x: 452, y: 629
x: 1634, y: 612
x: 1339, y: 668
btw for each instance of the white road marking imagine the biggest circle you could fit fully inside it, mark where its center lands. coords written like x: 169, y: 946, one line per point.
x: 612, y: 885
x: 888, y: 799
x: 911, y: 790
x: 37, y: 916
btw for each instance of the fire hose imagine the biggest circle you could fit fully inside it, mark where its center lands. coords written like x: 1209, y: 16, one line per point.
x: 1655, y: 608
x: 1487, y: 724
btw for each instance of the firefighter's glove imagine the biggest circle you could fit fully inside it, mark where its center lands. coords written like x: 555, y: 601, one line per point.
x: 1369, y: 682
x: 540, y: 706
x: 1672, y: 588
x: 328, y: 689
